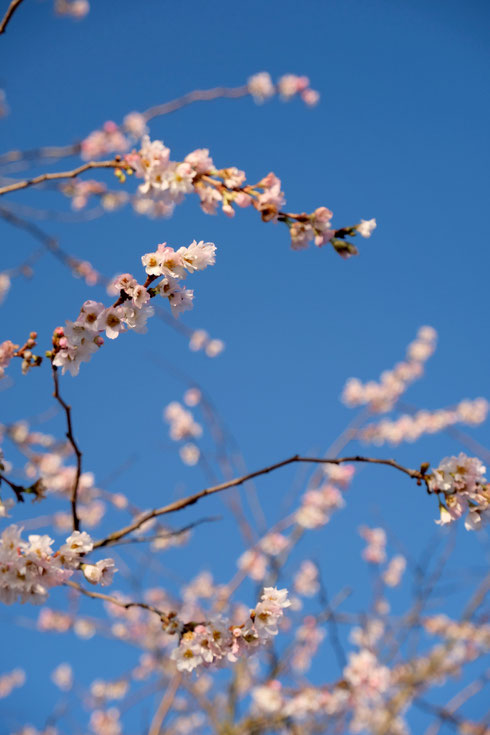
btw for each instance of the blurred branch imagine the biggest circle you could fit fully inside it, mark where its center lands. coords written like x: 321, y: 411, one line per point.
x: 165, y: 705
x: 114, y: 600
x: 168, y: 534
x: 198, y: 95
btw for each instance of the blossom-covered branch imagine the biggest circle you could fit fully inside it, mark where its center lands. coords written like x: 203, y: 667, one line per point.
x: 113, y: 137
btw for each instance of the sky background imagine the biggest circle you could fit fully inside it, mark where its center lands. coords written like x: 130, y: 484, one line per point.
x: 400, y: 134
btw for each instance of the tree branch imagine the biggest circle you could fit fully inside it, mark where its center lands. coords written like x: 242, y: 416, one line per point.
x: 116, y: 163
x: 165, y: 705
x: 8, y: 15
x: 198, y: 95
x: 114, y: 601
x: 191, y: 499
x: 76, y: 449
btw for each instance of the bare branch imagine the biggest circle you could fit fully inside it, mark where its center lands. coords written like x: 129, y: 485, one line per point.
x: 115, y: 601
x: 76, y: 449
x: 8, y: 15
x: 198, y: 95
x: 163, y: 535
x: 165, y: 705
x: 191, y: 499
x: 116, y: 163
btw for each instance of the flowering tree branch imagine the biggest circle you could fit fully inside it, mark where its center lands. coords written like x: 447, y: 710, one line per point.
x: 177, y: 505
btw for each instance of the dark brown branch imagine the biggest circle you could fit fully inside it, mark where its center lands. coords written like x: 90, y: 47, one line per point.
x: 17, y: 489
x: 61, y: 175
x: 191, y: 499
x: 76, y: 449
x: 8, y: 15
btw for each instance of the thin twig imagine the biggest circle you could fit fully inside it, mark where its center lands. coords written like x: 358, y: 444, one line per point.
x: 114, y: 601
x: 60, y: 175
x: 17, y: 489
x: 50, y: 243
x: 165, y: 705
x: 198, y: 95
x: 192, y: 499
x: 8, y: 15
x: 76, y: 449
x: 44, y: 152
x: 163, y: 535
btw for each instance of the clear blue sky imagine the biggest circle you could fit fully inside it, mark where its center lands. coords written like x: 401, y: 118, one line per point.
x: 400, y: 134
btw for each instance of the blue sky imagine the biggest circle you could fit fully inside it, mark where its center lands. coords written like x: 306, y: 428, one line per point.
x: 400, y: 134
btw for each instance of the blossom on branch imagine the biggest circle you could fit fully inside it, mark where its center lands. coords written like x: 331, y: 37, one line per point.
x: 28, y: 569
x: 217, y: 641
x: 461, y: 483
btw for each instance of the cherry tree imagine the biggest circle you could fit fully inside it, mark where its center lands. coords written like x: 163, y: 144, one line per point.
x: 206, y: 655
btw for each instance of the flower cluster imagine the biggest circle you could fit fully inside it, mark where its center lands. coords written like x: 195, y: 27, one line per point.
x: 376, y: 539
x: 7, y: 352
x: 113, y: 138
x: 182, y: 424
x: 217, y: 641
x: 382, y: 396
x: 28, y: 569
x: 166, y: 183
x: 262, y: 88
x: 318, y: 505
x: 367, y: 678
x: 79, y: 340
x: 200, y: 340
x: 102, y: 142
x: 62, y: 676
x: 76, y: 9
x: 393, y: 574
x: 461, y: 486
x: 81, y: 190
x: 306, y: 579
x: 9, y: 682
x: 316, y: 227
x: 4, y: 286
x: 411, y: 427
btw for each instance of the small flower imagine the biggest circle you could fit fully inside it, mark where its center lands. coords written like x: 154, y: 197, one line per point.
x: 366, y: 227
